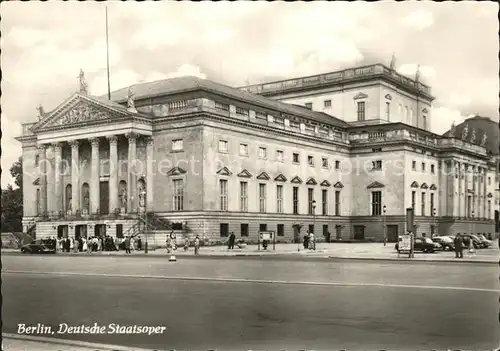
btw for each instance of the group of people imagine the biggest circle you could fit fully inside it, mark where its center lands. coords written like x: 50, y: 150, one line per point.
x: 461, y: 244
x: 171, y: 243
x: 309, y: 241
x: 92, y: 244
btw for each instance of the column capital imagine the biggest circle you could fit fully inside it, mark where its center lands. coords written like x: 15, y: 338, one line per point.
x: 94, y: 141
x: 132, y: 137
x: 56, y: 146
x: 42, y: 147
x: 148, y: 140
x: 74, y: 144
x: 113, y: 139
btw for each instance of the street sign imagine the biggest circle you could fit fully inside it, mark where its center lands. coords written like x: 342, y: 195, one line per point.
x: 266, y: 236
x: 404, y: 244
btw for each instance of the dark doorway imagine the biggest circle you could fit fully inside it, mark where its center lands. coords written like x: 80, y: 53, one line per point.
x: 262, y: 227
x: 359, y: 232
x: 100, y: 230
x: 119, y: 230
x: 392, y: 233
x: 62, y: 231
x: 296, y: 234
x: 104, y: 197
x: 338, y: 232
x: 326, y: 233
x: 311, y: 228
x: 81, y: 231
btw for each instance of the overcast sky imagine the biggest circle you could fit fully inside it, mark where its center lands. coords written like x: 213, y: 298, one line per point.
x: 44, y: 45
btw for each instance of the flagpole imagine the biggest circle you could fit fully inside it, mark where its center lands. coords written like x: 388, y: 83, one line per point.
x: 107, y: 55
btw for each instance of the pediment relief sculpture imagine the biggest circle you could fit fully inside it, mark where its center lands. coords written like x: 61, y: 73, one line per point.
x: 388, y: 97
x: 311, y: 181
x: 176, y: 171
x: 338, y: 185
x: 375, y: 185
x: 224, y: 171
x: 263, y: 176
x: 433, y: 187
x: 424, y: 186
x: 415, y: 185
x: 360, y: 96
x: 296, y: 180
x: 325, y: 183
x: 245, y: 174
x: 280, y: 178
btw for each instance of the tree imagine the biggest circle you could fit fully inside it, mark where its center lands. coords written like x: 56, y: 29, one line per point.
x: 12, y: 201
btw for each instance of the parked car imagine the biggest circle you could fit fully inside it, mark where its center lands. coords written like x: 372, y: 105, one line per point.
x: 478, y: 244
x: 424, y: 245
x: 37, y: 248
x: 445, y: 242
x: 487, y: 243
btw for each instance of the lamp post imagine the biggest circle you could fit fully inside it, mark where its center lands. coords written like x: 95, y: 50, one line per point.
x: 314, y: 222
x: 472, y: 214
x: 435, y: 221
x: 384, y: 209
x: 143, y: 194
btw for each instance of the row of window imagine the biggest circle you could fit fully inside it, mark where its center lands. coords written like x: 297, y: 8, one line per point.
x: 223, y: 196
x: 280, y: 229
x: 423, y: 168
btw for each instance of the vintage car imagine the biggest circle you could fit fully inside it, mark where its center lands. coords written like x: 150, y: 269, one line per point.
x: 37, y: 248
x: 445, y: 242
x: 424, y: 245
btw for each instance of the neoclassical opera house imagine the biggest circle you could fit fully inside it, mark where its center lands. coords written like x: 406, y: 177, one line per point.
x: 198, y: 157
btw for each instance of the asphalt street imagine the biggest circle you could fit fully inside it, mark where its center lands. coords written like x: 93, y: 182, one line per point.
x: 321, y: 305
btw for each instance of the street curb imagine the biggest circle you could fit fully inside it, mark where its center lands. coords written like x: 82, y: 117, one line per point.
x: 74, y: 343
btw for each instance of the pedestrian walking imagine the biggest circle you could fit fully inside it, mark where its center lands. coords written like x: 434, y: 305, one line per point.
x: 458, y: 246
x: 196, y: 245
x: 312, y: 241
x: 232, y: 239
x: 127, y: 245
x: 472, y: 250
x: 306, y: 240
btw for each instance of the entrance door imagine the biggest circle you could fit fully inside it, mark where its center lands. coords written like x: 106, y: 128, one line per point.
x: 296, y: 234
x: 392, y: 233
x: 119, y: 230
x: 62, y: 231
x: 359, y: 232
x: 326, y: 233
x: 100, y: 230
x: 104, y: 197
x: 338, y: 232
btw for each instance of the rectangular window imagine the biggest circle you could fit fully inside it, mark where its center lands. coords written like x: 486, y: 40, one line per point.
x: 178, y: 185
x: 489, y: 180
x: 262, y: 227
x: 324, y: 202
x: 328, y: 103
x: 377, y: 165
x: 279, y: 198
x: 224, y: 229
x: 223, y: 146
x: 295, y: 200
x: 281, y: 230
x: 423, y: 166
x: 177, y: 145
x: 244, y: 149
x: 243, y: 196
x: 308, y: 105
x: 413, y: 200
x: 310, y: 199
x: 37, y: 202
x: 324, y: 162
x: 280, y: 155
x: 223, y: 194
x: 337, y: 203
x: 337, y: 164
x: 422, y: 205
x: 244, y: 229
x: 262, y: 197
x: 414, y: 165
x: 295, y: 158
x: 361, y: 111
x: 433, y: 169
x: 376, y: 203
x: 310, y: 160
x: 311, y: 228
x: 488, y: 215
x: 37, y: 160
x: 424, y: 122
x: 262, y: 152
x: 432, y: 209
x: 388, y: 111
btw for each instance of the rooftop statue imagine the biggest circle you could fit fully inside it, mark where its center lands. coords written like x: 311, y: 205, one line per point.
x: 483, y: 141
x: 130, y: 98
x: 83, y: 83
x: 465, y: 132
x: 473, y: 136
x: 453, y: 129
x: 417, y: 74
x: 393, y: 62
x: 41, y: 112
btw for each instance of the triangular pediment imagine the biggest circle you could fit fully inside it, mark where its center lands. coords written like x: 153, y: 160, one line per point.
x: 37, y: 181
x: 296, y: 180
x: 338, y: 185
x: 311, y: 181
x: 263, y: 176
x: 490, y: 195
x: 360, y: 96
x: 245, y: 174
x: 415, y: 185
x: 325, y: 183
x: 388, y: 97
x: 176, y: 171
x: 424, y: 186
x: 224, y: 171
x: 433, y: 187
x: 280, y: 178
x: 80, y: 109
x: 424, y: 110
x: 375, y: 185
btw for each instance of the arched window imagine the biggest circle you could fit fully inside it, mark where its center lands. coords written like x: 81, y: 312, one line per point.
x: 67, y: 198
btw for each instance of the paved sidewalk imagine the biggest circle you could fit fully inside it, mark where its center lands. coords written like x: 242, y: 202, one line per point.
x: 13, y: 342
x: 367, y: 251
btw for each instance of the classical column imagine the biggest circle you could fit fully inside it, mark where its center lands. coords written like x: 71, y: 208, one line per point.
x: 43, y: 178
x: 485, y: 193
x: 149, y: 173
x: 75, y: 176
x: 94, y: 176
x: 58, y: 184
x: 113, y: 173
x: 458, y: 168
x: 132, y: 173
